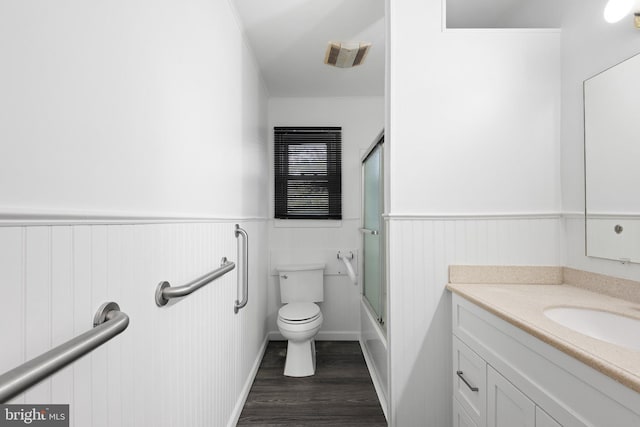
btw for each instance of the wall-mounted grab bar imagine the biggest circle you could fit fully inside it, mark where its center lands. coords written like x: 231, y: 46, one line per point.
x: 108, y: 322
x: 245, y: 268
x: 368, y: 231
x: 164, y: 291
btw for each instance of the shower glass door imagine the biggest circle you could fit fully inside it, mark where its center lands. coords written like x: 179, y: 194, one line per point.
x: 373, y: 232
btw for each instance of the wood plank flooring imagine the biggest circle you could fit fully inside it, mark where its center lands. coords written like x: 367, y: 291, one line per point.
x: 339, y: 394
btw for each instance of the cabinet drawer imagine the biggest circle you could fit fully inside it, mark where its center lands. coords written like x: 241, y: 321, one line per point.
x: 470, y: 381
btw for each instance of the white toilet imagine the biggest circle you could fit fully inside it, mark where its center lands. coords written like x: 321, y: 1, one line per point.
x: 300, y: 319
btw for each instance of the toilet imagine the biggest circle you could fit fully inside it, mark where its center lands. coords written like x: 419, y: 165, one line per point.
x: 300, y: 318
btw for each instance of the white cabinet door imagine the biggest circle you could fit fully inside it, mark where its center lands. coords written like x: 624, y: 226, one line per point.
x: 544, y: 420
x: 470, y: 381
x: 460, y: 416
x: 506, y: 405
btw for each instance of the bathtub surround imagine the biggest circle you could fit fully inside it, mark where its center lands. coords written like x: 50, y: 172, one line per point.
x: 375, y: 348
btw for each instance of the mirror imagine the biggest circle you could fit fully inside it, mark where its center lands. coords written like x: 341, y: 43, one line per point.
x: 612, y: 162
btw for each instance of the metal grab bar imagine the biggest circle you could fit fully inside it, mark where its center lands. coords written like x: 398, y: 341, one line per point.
x: 245, y: 268
x: 368, y: 231
x: 164, y: 291
x: 108, y: 322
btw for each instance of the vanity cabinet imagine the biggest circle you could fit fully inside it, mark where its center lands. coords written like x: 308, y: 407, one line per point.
x: 506, y: 405
x: 470, y: 382
x: 505, y: 377
x: 544, y: 420
x: 509, y: 407
x: 460, y: 417
x: 483, y: 397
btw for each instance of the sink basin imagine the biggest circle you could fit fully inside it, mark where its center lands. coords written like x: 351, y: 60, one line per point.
x: 603, y: 325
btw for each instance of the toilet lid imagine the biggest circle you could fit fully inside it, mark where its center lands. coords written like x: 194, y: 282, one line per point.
x: 298, y: 311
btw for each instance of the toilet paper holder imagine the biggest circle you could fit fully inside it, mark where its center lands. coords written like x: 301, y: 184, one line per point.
x: 347, y: 262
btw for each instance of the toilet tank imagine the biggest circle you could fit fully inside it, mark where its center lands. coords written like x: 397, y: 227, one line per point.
x: 301, y: 283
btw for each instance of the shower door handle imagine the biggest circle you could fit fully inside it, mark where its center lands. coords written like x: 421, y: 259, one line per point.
x: 369, y: 231
x: 245, y: 269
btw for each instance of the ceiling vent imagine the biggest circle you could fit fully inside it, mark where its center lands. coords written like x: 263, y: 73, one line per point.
x: 346, y: 55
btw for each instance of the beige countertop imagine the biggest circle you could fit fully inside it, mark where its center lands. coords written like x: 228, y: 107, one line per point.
x: 523, y: 305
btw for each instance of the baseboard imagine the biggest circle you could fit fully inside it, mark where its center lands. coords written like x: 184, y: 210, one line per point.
x: 322, y: 336
x: 244, y: 393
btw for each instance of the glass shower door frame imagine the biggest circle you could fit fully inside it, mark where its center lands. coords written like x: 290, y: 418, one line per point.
x: 379, y: 307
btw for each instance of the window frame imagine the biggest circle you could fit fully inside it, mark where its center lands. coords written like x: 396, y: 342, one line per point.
x: 284, y: 138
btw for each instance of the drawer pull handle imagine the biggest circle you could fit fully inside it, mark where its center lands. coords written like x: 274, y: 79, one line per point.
x: 472, y: 388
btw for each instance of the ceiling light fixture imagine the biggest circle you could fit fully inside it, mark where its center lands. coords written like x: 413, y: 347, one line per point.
x: 615, y: 10
x: 346, y: 54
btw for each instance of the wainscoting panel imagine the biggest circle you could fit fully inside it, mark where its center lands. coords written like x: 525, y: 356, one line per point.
x: 421, y: 249
x: 184, y: 364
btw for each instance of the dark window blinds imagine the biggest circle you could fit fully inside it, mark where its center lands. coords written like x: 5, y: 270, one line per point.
x: 308, y: 169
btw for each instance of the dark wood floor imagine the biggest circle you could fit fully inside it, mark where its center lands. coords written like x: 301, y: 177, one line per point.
x: 339, y: 394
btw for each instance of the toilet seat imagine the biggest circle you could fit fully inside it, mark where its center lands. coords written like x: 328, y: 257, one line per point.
x: 297, y: 313
x: 299, y: 323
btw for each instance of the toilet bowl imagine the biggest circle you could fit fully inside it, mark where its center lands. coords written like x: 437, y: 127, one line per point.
x: 300, y: 318
x: 299, y: 322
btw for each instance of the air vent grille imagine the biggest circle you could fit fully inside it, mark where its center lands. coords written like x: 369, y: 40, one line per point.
x: 346, y: 55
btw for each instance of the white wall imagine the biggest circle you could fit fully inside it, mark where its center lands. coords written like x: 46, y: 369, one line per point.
x: 114, y: 116
x: 475, y: 179
x: 130, y: 107
x: 296, y: 241
x: 475, y: 118
x: 589, y: 46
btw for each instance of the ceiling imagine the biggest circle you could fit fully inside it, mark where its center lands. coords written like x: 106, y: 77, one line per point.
x: 289, y: 39
x: 504, y: 13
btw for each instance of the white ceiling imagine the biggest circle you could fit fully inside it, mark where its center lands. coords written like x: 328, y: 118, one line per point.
x: 290, y: 37
x: 504, y: 13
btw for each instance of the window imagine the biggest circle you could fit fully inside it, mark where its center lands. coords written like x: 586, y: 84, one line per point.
x: 308, y: 172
